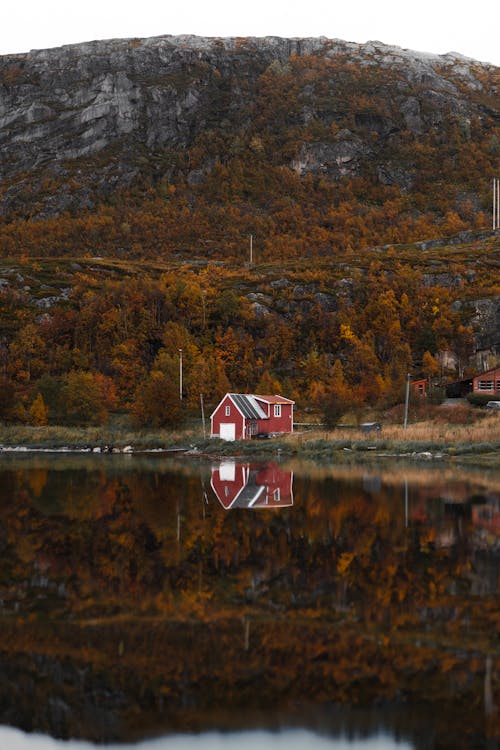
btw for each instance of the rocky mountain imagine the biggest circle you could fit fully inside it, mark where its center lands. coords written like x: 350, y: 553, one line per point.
x: 79, y: 123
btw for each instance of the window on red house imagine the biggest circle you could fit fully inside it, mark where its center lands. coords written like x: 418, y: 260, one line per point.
x: 485, y: 385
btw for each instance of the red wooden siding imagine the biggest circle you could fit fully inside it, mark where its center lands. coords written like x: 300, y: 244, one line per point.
x: 219, y: 417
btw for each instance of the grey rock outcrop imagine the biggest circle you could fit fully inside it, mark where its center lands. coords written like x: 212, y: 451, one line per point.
x: 336, y: 159
x: 486, y: 324
x: 95, y: 116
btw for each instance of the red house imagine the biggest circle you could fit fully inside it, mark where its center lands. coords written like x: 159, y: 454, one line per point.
x: 252, y: 486
x: 487, y: 383
x: 241, y: 416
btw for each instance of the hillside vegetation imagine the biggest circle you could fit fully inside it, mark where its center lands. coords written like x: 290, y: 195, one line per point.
x: 134, y: 172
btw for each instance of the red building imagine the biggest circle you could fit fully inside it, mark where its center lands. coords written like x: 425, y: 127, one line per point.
x: 252, y: 486
x: 420, y: 386
x: 241, y: 416
x: 487, y: 383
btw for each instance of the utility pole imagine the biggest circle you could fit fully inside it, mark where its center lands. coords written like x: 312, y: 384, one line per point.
x: 202, y: 415
x: 203, y: 304
x: 496, y: 203
x: 406, y: 502
x: 180, y: 374
x: 407, y: 399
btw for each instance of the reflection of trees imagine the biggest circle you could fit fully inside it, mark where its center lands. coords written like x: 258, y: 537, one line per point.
x: 150, y: 537
x: 340, y: 588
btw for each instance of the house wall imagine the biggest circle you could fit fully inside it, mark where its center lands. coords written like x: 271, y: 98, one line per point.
x: 487, y: 383
x: 284, y: 423
x: 420, y: 387
x: 235, y: 417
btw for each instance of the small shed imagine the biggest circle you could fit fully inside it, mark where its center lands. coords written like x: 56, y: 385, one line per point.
x: 420, y: 386
x: 241, y: 416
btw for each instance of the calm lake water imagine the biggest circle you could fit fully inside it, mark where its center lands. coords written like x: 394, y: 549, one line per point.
x: 193, y: 603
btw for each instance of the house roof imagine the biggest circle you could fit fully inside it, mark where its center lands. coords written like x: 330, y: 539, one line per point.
x: 487, y: 372
x: 275, y: 399
x: 248, y: 406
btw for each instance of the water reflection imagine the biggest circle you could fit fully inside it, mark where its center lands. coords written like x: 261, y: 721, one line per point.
x: 11, y: 739
x: 132, y: 604
x: 244, y: 485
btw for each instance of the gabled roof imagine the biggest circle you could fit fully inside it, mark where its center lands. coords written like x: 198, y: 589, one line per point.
x: 487, y: 372
x: 248, y: 404
x: 275, y: 399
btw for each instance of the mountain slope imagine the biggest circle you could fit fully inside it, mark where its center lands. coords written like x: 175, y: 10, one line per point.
x: 186, y: 145
x: 133, y: 172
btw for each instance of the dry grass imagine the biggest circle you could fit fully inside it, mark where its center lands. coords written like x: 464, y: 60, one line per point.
x: 426, y: 433
x: 488, y: 430
x: 60, y: 436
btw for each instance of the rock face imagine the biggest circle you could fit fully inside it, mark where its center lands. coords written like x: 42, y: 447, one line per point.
x: 486, y: 323
x: 336, y: 159
x: 103, y: 113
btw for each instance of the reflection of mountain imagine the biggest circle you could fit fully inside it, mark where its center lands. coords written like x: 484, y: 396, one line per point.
x: 240, y: 485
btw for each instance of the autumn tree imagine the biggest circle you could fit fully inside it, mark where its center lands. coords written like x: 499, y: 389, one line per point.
x: 8, y: 398
x: 38, y: 411
x: 83, y: 398
x: 338, y: 396
x: 430, y: 366
x: 156, y: 402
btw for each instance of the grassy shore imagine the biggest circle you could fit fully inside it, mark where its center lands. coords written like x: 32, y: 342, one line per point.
x: 104, y: 437
x: 424, y: 440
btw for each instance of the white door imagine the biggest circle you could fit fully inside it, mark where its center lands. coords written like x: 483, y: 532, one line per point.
x: 228, y: 431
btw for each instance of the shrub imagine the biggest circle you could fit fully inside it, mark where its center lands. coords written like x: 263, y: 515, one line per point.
x: 479, y: 399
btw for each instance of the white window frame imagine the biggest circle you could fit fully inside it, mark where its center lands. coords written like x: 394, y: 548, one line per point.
x: 486, y: 385
x: 277, y: 410
x: 228, y: 410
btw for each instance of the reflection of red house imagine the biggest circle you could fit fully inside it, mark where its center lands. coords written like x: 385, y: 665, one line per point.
x: 252, y: 486
x: 487, y: 517
x: 240, y: 416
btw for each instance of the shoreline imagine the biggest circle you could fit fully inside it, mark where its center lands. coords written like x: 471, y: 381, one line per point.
x: 316, y: 446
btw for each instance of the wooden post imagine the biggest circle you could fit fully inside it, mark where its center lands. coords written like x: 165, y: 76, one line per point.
x: 202, y: 415
x: 180, y: 374
x: 407, y: 399
x: 494, y: 203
